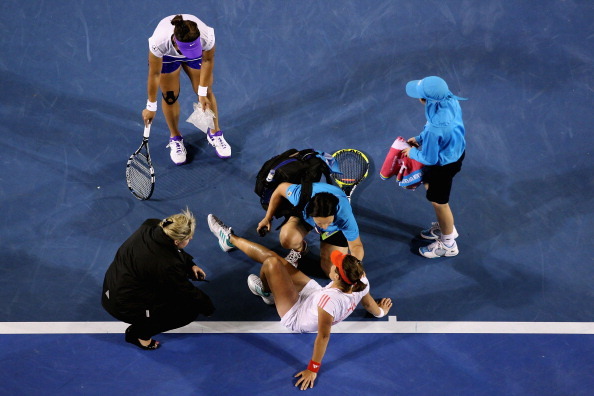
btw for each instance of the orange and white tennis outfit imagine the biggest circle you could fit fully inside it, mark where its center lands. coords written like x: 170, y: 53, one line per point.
x: 303, y: 316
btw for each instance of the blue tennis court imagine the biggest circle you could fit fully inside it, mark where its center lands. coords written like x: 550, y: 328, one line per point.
x: 510, y: 315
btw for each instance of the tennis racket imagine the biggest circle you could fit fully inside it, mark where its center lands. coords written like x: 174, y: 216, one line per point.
x: 140, y: 174
x: 354, y: 166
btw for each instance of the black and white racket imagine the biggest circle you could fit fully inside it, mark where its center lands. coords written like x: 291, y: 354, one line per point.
x: 140, y: 174
x: 354, y: 166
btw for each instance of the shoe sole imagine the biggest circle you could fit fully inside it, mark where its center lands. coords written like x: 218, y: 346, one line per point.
x: 436, y: 256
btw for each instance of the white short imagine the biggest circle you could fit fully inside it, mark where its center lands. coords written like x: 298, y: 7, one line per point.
x: 290, y: 319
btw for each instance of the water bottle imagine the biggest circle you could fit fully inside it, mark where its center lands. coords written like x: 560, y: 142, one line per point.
x: 270, y: 176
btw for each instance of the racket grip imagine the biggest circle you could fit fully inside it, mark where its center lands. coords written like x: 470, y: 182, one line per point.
x: 147, y: 130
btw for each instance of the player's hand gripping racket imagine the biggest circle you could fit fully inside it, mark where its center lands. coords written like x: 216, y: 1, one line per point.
x: 354, y: 166
x: 140, y: 174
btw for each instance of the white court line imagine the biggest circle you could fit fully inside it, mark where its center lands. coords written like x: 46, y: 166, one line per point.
x: 378, y: 327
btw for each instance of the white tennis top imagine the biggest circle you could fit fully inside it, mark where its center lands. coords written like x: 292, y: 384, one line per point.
x: 303, y: 316
x: 160, y: 42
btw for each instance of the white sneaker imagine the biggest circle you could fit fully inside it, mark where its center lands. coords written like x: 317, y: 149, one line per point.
x: 219, y: 143
x: 434, y: 232
x: 294, y: 256
x: 255, y: 284
x: 439, y: 249
x: 178, y: 151
x: 221, y: 231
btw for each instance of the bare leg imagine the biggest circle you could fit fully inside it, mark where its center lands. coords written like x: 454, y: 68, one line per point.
x: 278, y: 276
x: 194, y: 75
x: 292, y: 234
x: 445, y: 217
x: 326, y: 250
x: 170, y: 83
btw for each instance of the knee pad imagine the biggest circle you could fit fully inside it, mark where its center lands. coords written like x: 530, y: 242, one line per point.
x: 170, y: 98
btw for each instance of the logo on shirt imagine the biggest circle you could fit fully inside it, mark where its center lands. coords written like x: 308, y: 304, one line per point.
x: 289, y: 193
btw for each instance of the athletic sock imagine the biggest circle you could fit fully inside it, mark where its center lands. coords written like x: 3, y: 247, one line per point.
x: 449, y: 240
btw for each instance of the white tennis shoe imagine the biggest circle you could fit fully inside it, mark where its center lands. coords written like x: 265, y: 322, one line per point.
x: 439, y: 249
x: 294, y: 256
x: 434, y: 232
x: 177, y: 150
x: 221, y: 231
x: 217, y: 140
x: 255, y: 284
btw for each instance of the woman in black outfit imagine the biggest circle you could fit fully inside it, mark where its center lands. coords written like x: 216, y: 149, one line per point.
x: 147, y: 284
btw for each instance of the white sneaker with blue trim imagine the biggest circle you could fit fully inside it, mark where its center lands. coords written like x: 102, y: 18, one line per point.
x: 221, y: 231
x: 439, y: 249
x: 255, y: 284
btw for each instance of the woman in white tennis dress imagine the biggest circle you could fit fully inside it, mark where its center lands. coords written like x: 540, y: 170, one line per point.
x: 302, y: 304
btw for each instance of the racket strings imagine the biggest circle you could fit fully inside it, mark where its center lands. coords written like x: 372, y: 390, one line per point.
x: 140, y: 176
x: 352, y: 166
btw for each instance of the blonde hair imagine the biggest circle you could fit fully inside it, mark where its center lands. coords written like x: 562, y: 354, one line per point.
x: 180, y: 226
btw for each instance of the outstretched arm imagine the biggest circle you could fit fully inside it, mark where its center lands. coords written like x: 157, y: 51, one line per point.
x: 377, y: 310
x: 324, y: 328
x: 275, y: 200
x: 152, y: 85
x: 356, y: 248
x: 206, y: 79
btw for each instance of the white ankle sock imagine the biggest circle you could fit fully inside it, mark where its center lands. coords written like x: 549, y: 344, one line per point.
x: 449, y: 240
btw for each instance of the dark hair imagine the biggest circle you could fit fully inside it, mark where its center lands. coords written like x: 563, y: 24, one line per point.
x: 322, y: 205
x: 185, y: 31
x: 354, y: 271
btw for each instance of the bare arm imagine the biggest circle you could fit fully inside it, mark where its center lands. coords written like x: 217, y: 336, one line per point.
x: 152, y: 85
x: 321, y: 343
x: 275, y: 200
x: 206, y: 78
x: 356, y: 248
x: 373, y: 307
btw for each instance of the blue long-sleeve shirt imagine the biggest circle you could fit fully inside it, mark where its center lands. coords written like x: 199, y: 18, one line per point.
x: 442, y: 139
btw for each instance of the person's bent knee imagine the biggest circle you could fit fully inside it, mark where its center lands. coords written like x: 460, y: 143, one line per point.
x: 291, y: 240
x: 170, y: 97
x: 272, y: 263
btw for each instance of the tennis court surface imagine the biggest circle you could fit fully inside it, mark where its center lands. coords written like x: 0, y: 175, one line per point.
x: 510, y: 315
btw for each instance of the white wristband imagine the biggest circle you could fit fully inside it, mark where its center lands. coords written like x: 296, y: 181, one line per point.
x: 151, y: 106
x: 381, y: 314
x: 202, y: 91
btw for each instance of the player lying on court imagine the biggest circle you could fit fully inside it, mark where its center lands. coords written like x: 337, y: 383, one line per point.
x: 302, y: 304
x: 328, y: 212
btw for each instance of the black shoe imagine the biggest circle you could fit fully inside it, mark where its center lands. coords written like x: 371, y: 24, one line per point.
x: 132, y: 339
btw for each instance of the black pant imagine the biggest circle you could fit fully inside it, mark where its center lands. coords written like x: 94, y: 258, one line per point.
x: 164, y: 317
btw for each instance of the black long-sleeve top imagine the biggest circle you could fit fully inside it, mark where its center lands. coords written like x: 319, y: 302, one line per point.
x: 149, y: 271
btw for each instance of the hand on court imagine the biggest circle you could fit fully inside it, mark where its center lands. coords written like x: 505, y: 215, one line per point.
x: 148, y: 116
x: 385, y: 304
x: 307, y: 379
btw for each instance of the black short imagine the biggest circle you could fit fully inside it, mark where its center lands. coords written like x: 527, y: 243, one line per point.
x: 335, y: 238
x: 439, y: 180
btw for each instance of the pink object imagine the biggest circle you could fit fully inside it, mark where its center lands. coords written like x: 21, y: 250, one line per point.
x: 408, y: 171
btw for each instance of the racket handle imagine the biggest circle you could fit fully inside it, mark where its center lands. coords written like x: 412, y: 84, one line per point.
x: 147, y: 130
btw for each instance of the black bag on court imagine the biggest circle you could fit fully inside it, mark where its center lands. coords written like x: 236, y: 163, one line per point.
x: 293, y: 166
